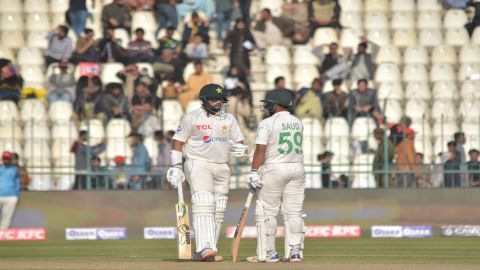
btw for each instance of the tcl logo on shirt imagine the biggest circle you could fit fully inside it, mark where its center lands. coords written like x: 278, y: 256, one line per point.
x: 22, y: 234
x: 203, y: 127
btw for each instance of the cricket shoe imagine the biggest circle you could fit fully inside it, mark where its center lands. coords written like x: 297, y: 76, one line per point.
x: 295, y: 257
x: 270, y: 259
x: 206, y: 255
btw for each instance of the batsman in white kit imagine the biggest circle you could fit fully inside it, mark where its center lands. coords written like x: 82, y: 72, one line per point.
x: 280, y: 182
x: 207, y: 136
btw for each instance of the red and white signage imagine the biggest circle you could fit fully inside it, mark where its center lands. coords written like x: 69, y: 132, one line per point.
x: 328, y: 231
x: 22, y: 234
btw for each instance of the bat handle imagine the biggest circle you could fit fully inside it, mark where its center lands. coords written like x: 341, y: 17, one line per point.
x: 180, y: 192
x: 249, y: 199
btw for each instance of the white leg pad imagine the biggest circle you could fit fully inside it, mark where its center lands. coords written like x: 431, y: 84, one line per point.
x: 294, y: 233
x: 203, y: 212
x: 221, y: 205
x: 261, y: 232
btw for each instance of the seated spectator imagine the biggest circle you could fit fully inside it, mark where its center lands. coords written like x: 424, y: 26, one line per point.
x: 166, y: 14
x: 311, y: 101
x: 269, y: 31
x: 116, y: 15
x: 163, y: 162
x: 11, y: 82
x: 140, y: 49
x: 196, y: 25
x: 422, y: 172
x: 363, y: 101
x: 119, y: 173
x: 334, y: 65
x: 130, y: 76
x: 297, y: 12
x: 207, y: 7
x: 60, y: 46
x: 196, y: 49
x: 324, y: 13
x: 451, y: 167
x: 144, y: 92
x: 140, y: 162
x: 363, y: 63
x: 240, y: 96
x: 149, y: 122
x: 62, y: 83
x: 79, y: 149
x: 89, y: 98
x: 165, y: 66
x: 473, y: 14
x: 473, y: 166
x: 238, y: 43
x: 169, y: 42
x: 406, y: 160
x: 109, y: 50
x: 140, y: 5
x: 24, y: 177
x: 194, y: 82
x: 336, y: 101
x: 85, y: 50
x: 115, y: 102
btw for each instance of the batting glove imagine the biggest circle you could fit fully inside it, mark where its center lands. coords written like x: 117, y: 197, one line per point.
x: 239, y: 150
x: 254, y: 182
x: 175, y: 176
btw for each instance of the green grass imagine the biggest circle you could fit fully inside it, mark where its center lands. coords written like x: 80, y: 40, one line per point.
x: 455, y: 251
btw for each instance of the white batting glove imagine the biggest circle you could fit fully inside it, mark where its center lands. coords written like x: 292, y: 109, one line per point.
x: 239, y: 150
x: 254, y: 181
x: 175, y: 176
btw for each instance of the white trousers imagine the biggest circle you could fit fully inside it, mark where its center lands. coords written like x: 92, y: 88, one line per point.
x: 207, y: 176
x: 7, y: 208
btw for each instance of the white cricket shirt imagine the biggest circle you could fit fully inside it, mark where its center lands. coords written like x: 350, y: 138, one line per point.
x: 208, y: 137
x: 283, y: 135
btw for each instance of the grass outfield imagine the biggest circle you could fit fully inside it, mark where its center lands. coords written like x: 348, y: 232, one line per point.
x: 363, y: 253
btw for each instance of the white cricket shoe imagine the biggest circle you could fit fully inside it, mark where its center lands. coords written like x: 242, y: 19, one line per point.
x: 206, y: 255
x: 270, y: 259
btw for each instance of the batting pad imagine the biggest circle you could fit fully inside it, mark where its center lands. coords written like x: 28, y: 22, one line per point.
x: 261, y: 231
x: 221, y: 205
x: 294, y: 233
x: 203, y: 212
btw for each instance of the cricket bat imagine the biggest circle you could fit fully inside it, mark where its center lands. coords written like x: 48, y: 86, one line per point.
x: 237, y: 236
x: 183, y: 227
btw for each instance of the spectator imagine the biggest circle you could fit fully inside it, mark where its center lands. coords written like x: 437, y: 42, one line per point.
x: 474, y: 168
x: 119, y: 173
x: 460, y: 140
x: 79, y: 149
x: 422, y: 172
x: 206, y: 7
x: 163, y: 162
x: 109, y: 50
x: 240, y: 96
x: 24, y: 177
x: 196, y: 49
x: 130, y: 76
x: 336, y: 101
x: 328, y: 179
x: 268, y: 30
x: 60, y: 47
x: 324, y: 13
x: 473, y: 13
x: 85, y: 49
x: 297, y: 12
x: 99, y: 179
x: 144, y: 92
x: 451, y: 167
x: 63, y: 84
x: 140, y: 162
x: 89, y: 98
x: 311, y: 101
x: 166, y: 65
x: 406, y: 160
x: 9, y: 189
x: 223, y: 18
x: 140, y: 5
x: 363, y: 101
x: 196, y: 25
x: 166, y: 13
x: 115, y: 102
x: 397, y: 131
x: 140, y: 49
x: 116, y: 15
x: 334, y: 65
x: 383, y: 159
x: 238, y: 43
x: 363, y: 65
x: 11, y: 83
x: 194, y: 82
x: 77, y: 15
x: 149, y: 122
x: 245, y: 11
x: 169, y: 42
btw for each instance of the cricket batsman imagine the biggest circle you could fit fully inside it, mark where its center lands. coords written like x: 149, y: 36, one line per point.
x: 207, y: 136
x: 278, y: 176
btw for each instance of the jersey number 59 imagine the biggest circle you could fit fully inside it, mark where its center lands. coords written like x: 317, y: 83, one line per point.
x: 286, y: 145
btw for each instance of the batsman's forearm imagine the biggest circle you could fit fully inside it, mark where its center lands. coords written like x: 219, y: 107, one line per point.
x: 258, y: 156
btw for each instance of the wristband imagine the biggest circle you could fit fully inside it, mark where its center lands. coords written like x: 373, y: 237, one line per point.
x: 176, y: 157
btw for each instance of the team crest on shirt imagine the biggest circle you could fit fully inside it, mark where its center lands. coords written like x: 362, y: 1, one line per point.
x: 224, y: 127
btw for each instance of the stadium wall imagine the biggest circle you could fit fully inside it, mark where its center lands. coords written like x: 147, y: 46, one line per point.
x: 56, y: 211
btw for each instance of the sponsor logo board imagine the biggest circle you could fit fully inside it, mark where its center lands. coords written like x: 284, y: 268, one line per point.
x: 96, y: 233
x: 417, y: 231
x: 387, y: 231
x: 460, y: 230
x: 333, y: 231
x: 19, y: 234
x: 159, y: 233
x: 397, y: 231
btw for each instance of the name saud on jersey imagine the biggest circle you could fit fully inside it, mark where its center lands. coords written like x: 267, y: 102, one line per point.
x: 290, y: 126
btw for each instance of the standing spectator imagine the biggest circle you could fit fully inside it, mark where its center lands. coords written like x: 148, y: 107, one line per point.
x: 166, y: 13
x: 474, y: 168
x: 163, y: 162
x: 140, y: 49
x: 460, y: 140
x: 79, y: 149
x: 77, y: 15
x: 238, y: 43
x: 99, y: 180
x: 194, y: 82
x: 473, y: 13
x: 11, y: 83
x: 311, y: 101
x: 422, y: 172
x: 363, y: 65
x: 196, y: 25
x: 115, y: 102
x: 240, y: 97
x: 336, y: 101
x: 119, y: 173
x: 149, y: 122
x: 223, y: 18
x: 196, y: 49
x: 117, y: 15
x: 62, y: 83
x: 85, y: 49
x: 326, y: 176
x: 363, y: 101
x: 406, y: 160
x: 24, y: 177
x: 451, y: 167
x: 9, y: 189
x: 245, y: 11
x: 130, y: 76
x: 169, y: 42
x: 381, y: 161
x: 109, y: 50
x: 324, y: 13
x: 60, y: 47
x: 266, y: 32
x: 140, y: 162
x: 397, y: 131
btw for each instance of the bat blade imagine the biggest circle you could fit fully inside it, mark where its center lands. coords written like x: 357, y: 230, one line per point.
x: 237, y: 236
x: 183, y: 232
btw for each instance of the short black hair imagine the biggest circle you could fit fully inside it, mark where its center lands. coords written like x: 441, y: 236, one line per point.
x: 136, y: 135
x: 197, y: 62
x: 82, y: 133
x: 419, y: 154
x: 95, y: 157
x: 458, y: 135
x: 87, y: 30
x: 158, y: 133
x: 362, y: 80
x: 278, y: 79
x: 64, y: 28
x: 267, y: 10
x: 337, y: 82
x: 171, y: 28
x: 363, y: 45
x: 473, y: 151
x: 451, y: 143
x: 16, y: 156
x: 139, y: 29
